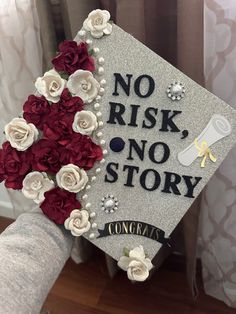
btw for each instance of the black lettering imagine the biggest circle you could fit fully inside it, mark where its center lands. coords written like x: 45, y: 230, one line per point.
x: 156, y: 181
x: 171, y: 181
x: 134, y: 113
x: 113, y: 174
x: 137, y: 86
x: 131, y: 169
x: 190, y: 185
x: 116, y: 112
x: 139, y: 150
x: 125, y: 85
x: 167, y: 123
x: 165, y: 152
x: 150, y: 118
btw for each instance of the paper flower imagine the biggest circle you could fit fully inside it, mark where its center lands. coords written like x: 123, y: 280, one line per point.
x: 69, y: 104
x: 58, y: 204
x: 136, y: 264
x: 73, y: 57
x: 36, y: 109
x: 83, y: 84
x: 85, y: 122
x: 72, y: 178
x: 45, y: 156
x: 50, y: 85
x: 82, y: 152
x: 35, y: 184
x: 21, y: 134
x: 14, y: 165
x: 78, y: 222
x: 97, y: 23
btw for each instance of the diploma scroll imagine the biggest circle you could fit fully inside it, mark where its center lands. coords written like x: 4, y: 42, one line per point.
x: 217, y: 128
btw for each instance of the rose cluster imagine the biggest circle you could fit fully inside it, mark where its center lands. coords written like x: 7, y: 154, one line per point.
x: 49, y: 150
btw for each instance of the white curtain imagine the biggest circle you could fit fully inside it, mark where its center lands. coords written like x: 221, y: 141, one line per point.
x: 218, y: 212
x: 20, y: 64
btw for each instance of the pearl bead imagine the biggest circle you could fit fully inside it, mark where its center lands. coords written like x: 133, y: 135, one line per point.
x: 102, y: 142
x: 94, y: 225
x: 98, y: 170
x: 88, y: 187
x: 101, y: 60
x: 101, y: 91
x: 96, y: 50
x: 100, y: 123
x: 93, y: 178
x: 103, y: 82
x: 91, y: 236
x: 102, y: 161
x: 109, y: 204
x: 99, y: 134
x: 82, y: 33
x: 176, y: 89
x: 98, y: 98
x: 92, y: 215
x: 99, y: 114
x: 89, y: 41
x: 100, y: 70
x: 105, y: 152
x: 96, y: 106
x: 85, y: 196
x: 88, y: 205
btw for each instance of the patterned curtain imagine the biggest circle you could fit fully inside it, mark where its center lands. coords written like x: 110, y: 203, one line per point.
x: 20, y: 64
x: 218, y: 212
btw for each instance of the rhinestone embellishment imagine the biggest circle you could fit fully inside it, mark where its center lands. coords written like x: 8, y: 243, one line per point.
x: 109, y: 204
x: 175, y: 91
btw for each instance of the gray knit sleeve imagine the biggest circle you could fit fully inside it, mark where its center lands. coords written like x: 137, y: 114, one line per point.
x: 33, y: 250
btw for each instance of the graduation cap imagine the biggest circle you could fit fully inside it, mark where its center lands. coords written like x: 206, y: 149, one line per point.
x: 163, y: 137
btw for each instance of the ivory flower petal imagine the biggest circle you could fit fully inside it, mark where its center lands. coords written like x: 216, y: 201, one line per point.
x: 85, y: 122
x: 97, y: 23
x: 136, y: 264
x: 50, y: 85
x: 78, y: 222
x: 82, y: 84
x: 72, y: 178
x: 21, y: 134
x: 35, y: 184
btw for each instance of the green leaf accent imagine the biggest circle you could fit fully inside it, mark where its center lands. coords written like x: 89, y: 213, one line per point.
x: 51, y: 177
x: 126, y: 251
x: 90, y: 52
x: 64, y: 75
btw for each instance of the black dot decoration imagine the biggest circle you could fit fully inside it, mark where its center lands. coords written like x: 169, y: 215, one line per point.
x: 117, y: 144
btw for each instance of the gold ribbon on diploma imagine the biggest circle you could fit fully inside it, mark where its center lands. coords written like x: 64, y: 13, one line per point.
x: 204, y: 151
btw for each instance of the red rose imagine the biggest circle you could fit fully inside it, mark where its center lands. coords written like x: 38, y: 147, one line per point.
x: 14, y: 166
x: 58, y: 126
x: 69, y: 104
x: 46, y: 156
x: 73, y: 57
x: 35, y: 110
x: 81, y: 151
x: 58, y: 204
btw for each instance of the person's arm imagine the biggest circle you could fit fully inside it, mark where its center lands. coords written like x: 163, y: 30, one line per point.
x: 33, y: 250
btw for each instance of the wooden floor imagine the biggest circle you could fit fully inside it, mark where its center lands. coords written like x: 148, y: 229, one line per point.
x: 87, y: 289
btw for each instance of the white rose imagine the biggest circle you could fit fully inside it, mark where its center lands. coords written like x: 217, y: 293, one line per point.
x: 85, y: 122
x: 82, y: 83
x: 136, y: 264
x: 35, y: 184
x: 72, y: 178
x: 97, y: 23
x: 78, y: 222
x: 50, y: 85
x: 21, y: 134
